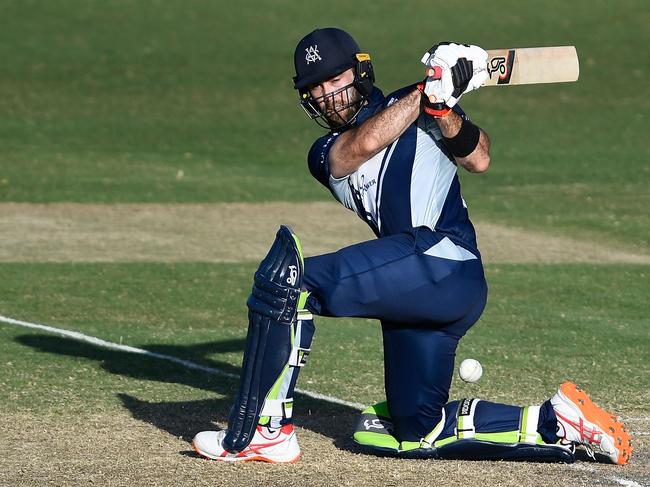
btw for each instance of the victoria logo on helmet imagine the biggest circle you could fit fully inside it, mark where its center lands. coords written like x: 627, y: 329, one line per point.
x: 312, y: 54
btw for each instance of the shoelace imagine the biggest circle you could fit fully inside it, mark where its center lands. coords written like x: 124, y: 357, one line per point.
x: 589, y: 450
x: 589, y: 437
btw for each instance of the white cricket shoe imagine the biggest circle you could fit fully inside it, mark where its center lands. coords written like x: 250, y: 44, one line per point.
x: 273, y: 446
x: 581, y: 421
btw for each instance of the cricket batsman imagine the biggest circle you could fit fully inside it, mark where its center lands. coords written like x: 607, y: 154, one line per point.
x: 393, y: 160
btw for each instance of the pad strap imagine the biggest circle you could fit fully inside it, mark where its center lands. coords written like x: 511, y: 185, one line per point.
x: 298, y: 357
x: 304, y: 314
x: 427, y: 441
x: 528, y: 425
x: 278, y: 407
x: 465, y: 418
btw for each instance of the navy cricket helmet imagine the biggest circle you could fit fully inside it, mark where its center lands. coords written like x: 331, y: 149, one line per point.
x: 322, y: 54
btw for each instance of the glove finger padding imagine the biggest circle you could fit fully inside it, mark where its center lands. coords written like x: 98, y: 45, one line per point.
x: 433, y: 86
x: 461, y: 74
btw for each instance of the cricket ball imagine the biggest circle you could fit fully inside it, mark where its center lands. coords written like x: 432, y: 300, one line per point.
x: 470, y: 370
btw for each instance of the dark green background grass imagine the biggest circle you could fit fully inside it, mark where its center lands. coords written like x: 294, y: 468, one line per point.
x: 544, y: 324
x: 106, y: 101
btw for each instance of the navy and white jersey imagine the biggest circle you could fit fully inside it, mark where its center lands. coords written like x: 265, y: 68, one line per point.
x: 411, y: 183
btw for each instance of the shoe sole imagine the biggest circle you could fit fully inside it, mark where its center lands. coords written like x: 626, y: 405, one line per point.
x: 257, y: 458
x: 606, y: 421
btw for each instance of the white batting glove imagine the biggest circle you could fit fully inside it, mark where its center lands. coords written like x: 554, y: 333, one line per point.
x: 453, y: 70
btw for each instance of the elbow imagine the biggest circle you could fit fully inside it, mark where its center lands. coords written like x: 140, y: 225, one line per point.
x: 350, y: 151
x: 480, y: 158
x: 337, y: 171
x: 476, y: 163
x: 481, y: 164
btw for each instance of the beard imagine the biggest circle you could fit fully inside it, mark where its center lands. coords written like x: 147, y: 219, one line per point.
x: 341, y: 108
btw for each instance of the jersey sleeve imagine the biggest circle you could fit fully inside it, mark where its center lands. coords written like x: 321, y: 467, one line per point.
x: 318, y: 158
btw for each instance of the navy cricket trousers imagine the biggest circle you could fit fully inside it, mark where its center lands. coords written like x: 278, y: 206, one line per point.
x: 425, y: 304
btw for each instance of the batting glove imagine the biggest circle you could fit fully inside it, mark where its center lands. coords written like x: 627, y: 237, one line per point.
x: 453, y: 70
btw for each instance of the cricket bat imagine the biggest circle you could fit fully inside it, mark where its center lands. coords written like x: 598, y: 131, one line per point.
x: 529, y: 65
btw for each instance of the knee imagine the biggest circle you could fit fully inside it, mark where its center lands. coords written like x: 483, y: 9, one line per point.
x: 414, y: 422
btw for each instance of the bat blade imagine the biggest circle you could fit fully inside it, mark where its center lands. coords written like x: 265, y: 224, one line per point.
x: 530, y: 65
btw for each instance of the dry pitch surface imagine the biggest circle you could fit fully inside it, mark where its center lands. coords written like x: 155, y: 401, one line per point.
x: 237, y: 232
x: 119, y: 450
x: 116, y: 449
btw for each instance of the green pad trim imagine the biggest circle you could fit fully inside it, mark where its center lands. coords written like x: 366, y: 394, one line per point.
x: 374, y: 429
x: 299, y: 246
x: 409, y: 445
x: 380, y: 409
x: 369, y: 438
x: 302, y: 300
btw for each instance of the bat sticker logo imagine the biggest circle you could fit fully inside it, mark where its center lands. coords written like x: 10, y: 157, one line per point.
x: 502, y: 66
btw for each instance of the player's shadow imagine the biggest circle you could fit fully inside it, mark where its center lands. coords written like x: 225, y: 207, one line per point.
x: 185, y: 418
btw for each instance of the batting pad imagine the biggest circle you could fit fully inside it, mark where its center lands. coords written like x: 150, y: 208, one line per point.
x: 374, y: 435
x: 272, y: 309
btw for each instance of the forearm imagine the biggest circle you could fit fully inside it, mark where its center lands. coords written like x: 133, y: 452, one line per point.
x: 479, y: 159
x: 359, y: 144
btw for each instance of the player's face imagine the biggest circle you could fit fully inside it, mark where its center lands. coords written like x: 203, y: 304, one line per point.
x: 337, y: 97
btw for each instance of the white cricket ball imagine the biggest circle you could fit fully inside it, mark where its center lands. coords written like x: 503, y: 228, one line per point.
x: 470, y: 370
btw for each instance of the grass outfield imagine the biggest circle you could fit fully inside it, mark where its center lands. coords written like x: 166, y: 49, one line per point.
x: 543, y: 324
x: 81, y: 413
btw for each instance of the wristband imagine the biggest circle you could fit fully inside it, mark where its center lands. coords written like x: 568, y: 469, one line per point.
x: 437, y: 110
x: 465, y: 141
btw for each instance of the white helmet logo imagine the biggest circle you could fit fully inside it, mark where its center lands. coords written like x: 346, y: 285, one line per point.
x: 312, y: 54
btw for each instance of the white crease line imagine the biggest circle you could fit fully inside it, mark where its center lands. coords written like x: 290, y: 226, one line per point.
x: 192, y: 365
x: 186, y: 363
x: 618, y: 480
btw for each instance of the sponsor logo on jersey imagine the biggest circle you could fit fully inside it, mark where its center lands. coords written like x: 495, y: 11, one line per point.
x: 364, y: 187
